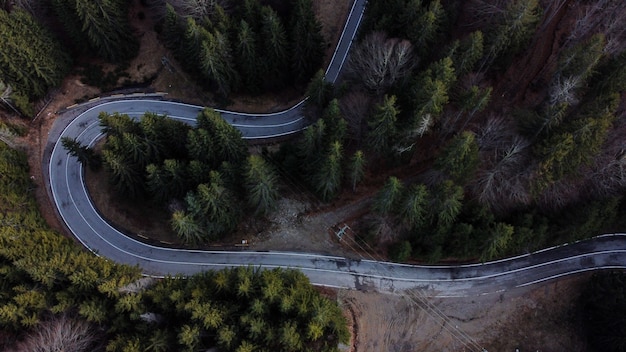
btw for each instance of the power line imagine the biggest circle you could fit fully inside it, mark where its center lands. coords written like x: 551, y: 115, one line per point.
x: 416, y: 296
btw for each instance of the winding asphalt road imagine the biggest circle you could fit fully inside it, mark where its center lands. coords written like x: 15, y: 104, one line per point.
x: 65, y: 176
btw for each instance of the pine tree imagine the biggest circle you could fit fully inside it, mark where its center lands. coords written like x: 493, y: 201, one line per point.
x: 103, y: 26
x: 247, y: 60
x: 319, y: 92
x: 307, y: 42
x: 261, y: 184
x: 388, y: 198
x: 217, y: 64
x: 447, y: 204
x: 382, y: 126
x: 415, y: 209
x: 327, y: 180
x: 459, y: 158
x: 356, y: 169
x: 31, y: 59
x: 336, y: 126
x: 275, y: 54
x: 84, y: 154
x: 432, y: 93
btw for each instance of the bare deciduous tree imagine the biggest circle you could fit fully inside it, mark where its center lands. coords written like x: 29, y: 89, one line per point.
x: 607, y: 176
x: 559, y: 194
x: 60, y: 333
x: 378, y: 62
x: 355, y: 107
x: 563, y: 90
x: 197, y: 9
x: 502, y: 182
x: 602, y: 16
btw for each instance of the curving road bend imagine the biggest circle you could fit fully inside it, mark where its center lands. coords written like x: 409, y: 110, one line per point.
x: 65, y: 176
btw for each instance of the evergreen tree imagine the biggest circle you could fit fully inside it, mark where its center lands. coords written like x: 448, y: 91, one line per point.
x: 356, y: 169
x: 173, y: 29
x: 460, y: 157
x: 102, y: 25
x: 125, y: 176
x: 217, y: 64
x: 230, y: 146
x: 327, y: 179
x: 447, y: 204
x: 388, y: 198
x: 84, y: 154
x: 432, y: 93
x: 319, y: 92
x: 247, y: 59
x: 261, y: 184
x: 415, y: 209
x: 382, y: 126
x: 336, y: 126
x: 466, y: 53
x: 275, y: 54
x: 31, y: 59
x: 307, y: 42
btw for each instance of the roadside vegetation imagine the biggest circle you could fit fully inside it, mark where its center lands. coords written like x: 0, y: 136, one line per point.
x: 203, y: 174
x: 481, y: 161
x: 469, y: 163
x: 56, y: 296
x: 488, y: 128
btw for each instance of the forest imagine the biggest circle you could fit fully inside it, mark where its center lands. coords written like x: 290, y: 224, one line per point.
x: 487, y: 128
x: 56, y: 296
x: 484, y: 153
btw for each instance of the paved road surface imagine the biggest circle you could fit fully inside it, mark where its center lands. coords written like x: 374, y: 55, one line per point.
x: 75, y: 207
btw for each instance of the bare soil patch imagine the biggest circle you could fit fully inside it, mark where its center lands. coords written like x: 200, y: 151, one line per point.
x: 539, y: 318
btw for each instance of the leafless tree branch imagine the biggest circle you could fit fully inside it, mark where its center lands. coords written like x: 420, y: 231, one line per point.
x: 378, y: 62
x: 60, y: 333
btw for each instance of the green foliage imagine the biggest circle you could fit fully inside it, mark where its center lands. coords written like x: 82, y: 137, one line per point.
x: 246, y: 57
x: 84, y: 154
x: 400, y: 251
x: 356, y: 169
x: 466, y: 53
x: 31, y: 59
x: 512, y: 29
x: 389, y: 196
x: 251, y: 48
x: 500, y: 237
x: 459, y: 159
x: 306, y: 41
x: 47, y: 272
x: 419, y: 21
x: 336, y: 125
x: 261, y: 184
x: 382, y: 126
x: 414, y: 209
x: 319, y: 92
x: 279, y: 310
x: 581, y: 59
x: 327, y: 180
x: 101, y: 27
x: 432, y: 93
x: 447, y: 205
x: 168, y: 160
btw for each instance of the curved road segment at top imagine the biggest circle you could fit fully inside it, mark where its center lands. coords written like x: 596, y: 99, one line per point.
x: 77, y: 211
